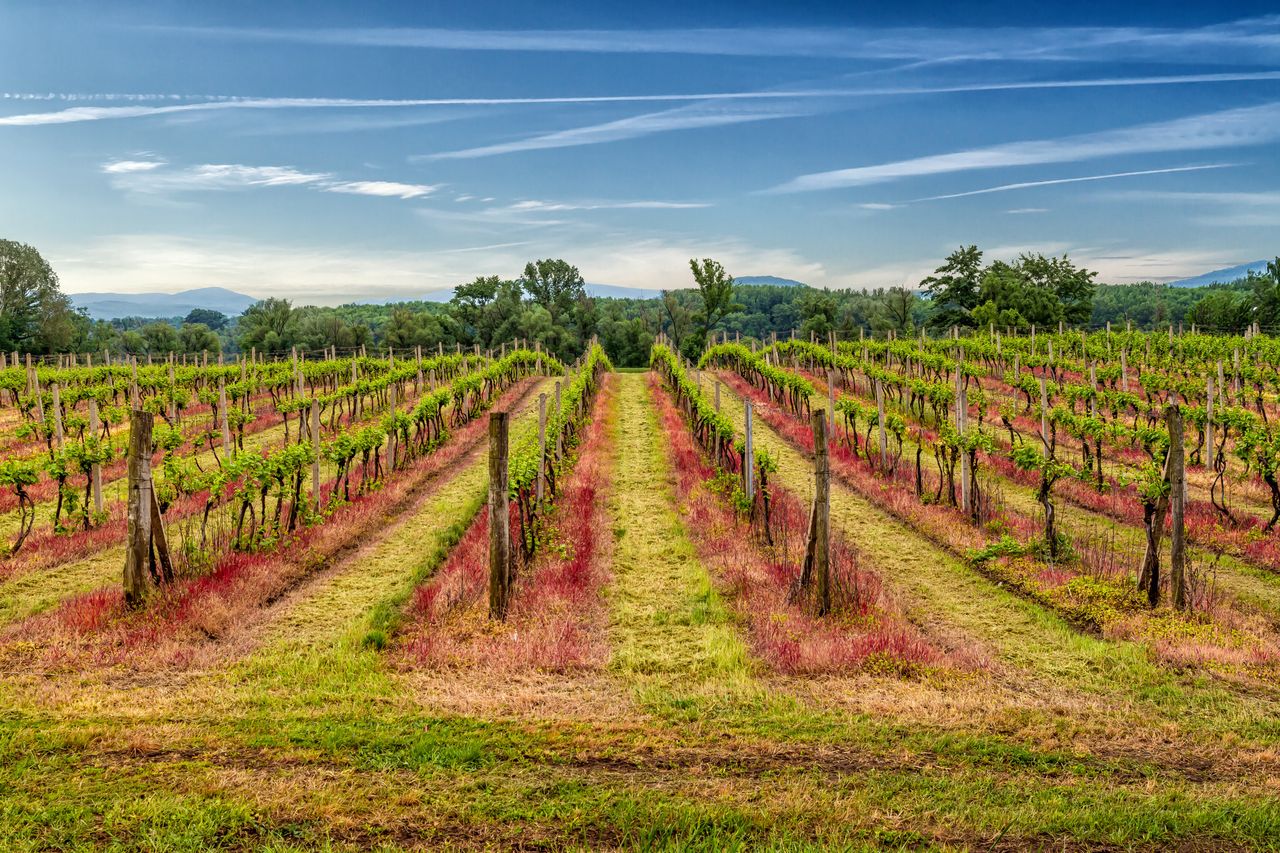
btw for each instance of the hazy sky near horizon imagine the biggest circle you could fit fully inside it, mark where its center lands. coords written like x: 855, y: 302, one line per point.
x: 329, y: 151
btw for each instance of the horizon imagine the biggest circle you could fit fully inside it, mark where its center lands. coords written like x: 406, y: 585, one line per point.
x: 395, y: 151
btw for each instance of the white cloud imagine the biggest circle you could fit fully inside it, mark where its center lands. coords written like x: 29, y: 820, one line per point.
x: 1082, y: 179
x: 1254, y: 40
x: 1018, y: 211
x: 606, y: 205
x: 211, y: 177
x: 120, y: 167
x: 330, y: 275
x: 1226, y: 129
x: 709, y: 114
x: 229, y: 103
x: 1260, y: 209
x: 385, y: 189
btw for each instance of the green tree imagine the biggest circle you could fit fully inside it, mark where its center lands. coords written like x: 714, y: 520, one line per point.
x: 557, y: 286
x: 715, y: 286
x: 953, y: 289
x: 207, y: 316
x: 35, y: 316
x: 818, y: 309
x: 197, y: 337
x: 270, y: 325
x: 159, y: 337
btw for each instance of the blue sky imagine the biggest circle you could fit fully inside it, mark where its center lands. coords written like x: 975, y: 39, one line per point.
x: 330, y: 151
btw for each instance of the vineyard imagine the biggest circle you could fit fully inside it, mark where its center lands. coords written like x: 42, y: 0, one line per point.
x: 989, y: 591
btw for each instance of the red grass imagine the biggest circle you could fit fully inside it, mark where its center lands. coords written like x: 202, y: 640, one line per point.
x: 866, y: 630
x: 557, y: 618
x: 95, y: 628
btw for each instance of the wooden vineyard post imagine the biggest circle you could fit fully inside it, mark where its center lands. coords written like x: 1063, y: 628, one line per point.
x: 559, y: 442
x: 159, y: 551
x: 95, y: 471
x: 820, y: 531
x: 748, y: 460
x: 542, y: 444
x: 391, y: 437
x: 831, y: 401
x: 1208, y: 423
x: 1044, y: 415
x: 138, y: 546
x: 962, y: 417
x: 884, y: 444
x: 223, y: 423
x: 1177, y: 509
x: 1124, y: 371
x: 315, y: 451
x: 59, y: 438
x: 173, y: 386
x: 499, y: 517
x: 717, y: 395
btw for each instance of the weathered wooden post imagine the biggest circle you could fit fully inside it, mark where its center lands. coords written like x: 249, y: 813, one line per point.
x: 820, y: 529
x: 559, y: 438
x: 748, y: 460
x: 138, y: 548
x: 499, y: 517
x: 95, y: 471
x: 542, y: 444
x: 1208, y: 423
x: 831, y: 402
x: 884, y: 443
x: 59, y: 438
x: 1044, y: 415
x: 1177, y: 509
x: 962, y: 418
x: 393, y: 435
x: 717, y: 395
x: 224, y: 423
x: 315, y: 451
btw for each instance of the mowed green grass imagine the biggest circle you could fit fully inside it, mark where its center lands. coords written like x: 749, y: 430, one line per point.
x: 310, y: 741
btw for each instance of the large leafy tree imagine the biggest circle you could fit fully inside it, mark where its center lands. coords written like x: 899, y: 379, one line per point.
x: 35, y: 316
x: 954, y: 288
x: 1266, y: 295
x: 270, y: 325
x: 715, y: 286
x: 558, y: 287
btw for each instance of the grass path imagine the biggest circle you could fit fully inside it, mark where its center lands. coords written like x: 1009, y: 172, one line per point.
x: 671, y: 633
x: 1021, y: 634
x: 321, y: 644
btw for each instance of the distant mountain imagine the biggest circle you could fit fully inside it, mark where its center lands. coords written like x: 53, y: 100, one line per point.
x: 110, y: 306
x: 617, y: 291
x: 771, y: 280
x: 1222, y: 276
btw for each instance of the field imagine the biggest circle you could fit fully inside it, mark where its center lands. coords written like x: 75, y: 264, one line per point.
x: 319, y: 666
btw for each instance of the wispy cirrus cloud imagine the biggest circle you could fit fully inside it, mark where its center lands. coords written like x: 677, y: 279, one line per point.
x: 694, y: 116
x: 533, y: 205
x: 154, y: 177
x: 1228, y: 209
x: 1233, y: 128
x: 1255, y: 40
x: 124, y: 167
x: 384, y: 189
x: 1023, y: 185
x: 142, y: 177
x: 230, y: 103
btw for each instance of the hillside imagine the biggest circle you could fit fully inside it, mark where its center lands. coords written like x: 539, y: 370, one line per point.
x: 110, y: 306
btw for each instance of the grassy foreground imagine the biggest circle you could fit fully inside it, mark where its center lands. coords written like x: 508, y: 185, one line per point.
x: 302, y: 737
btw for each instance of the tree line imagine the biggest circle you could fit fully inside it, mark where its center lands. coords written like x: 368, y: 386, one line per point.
x: 548, y: 304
